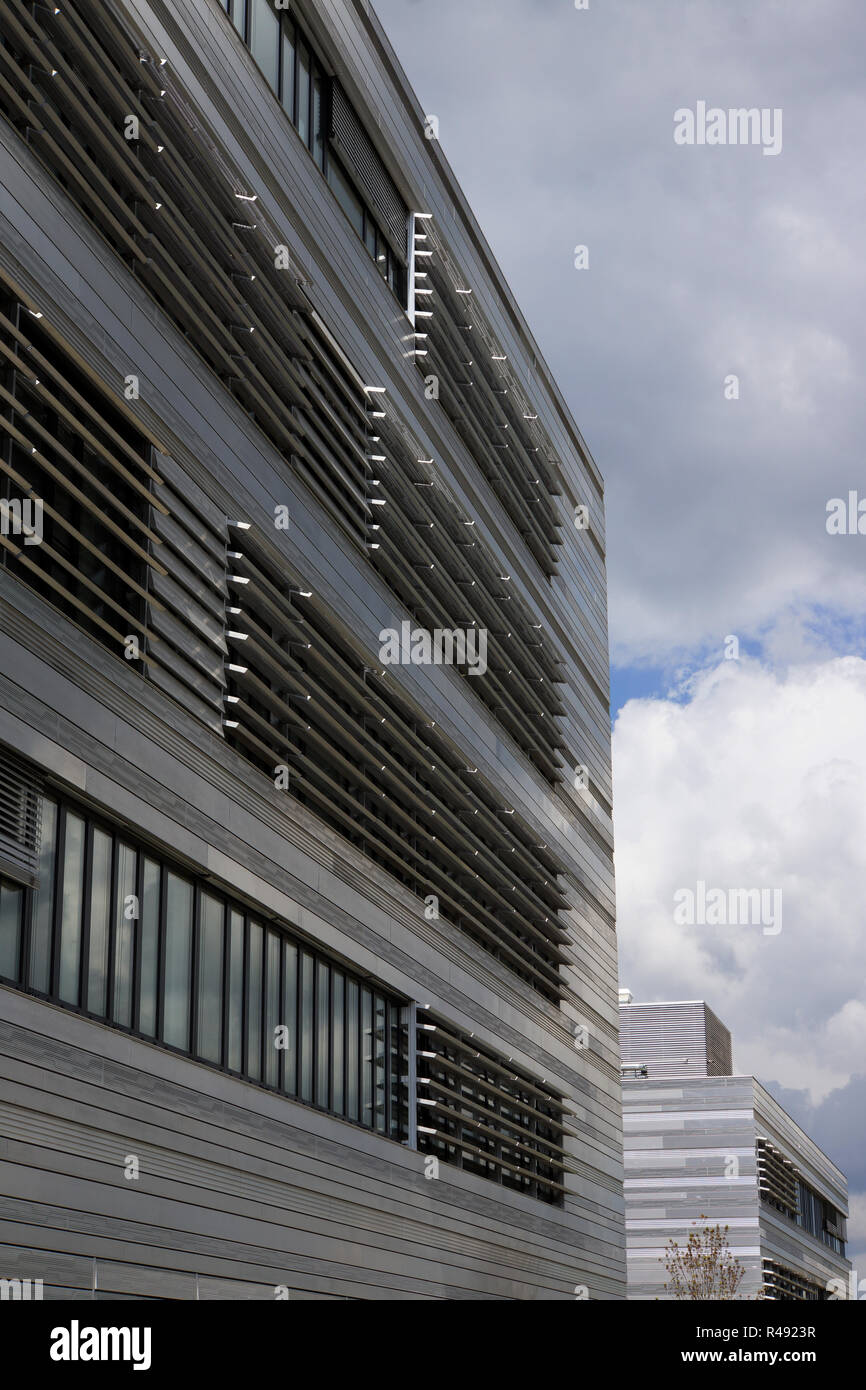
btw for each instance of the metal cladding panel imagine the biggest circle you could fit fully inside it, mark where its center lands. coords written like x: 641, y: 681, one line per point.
x: 356, y: 147
x: 20, y: 813
x: 255, y: 400
x: 676, y: 1039
x: 692, y: 1155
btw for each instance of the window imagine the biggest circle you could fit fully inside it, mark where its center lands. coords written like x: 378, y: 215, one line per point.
x: 476, y: 1111
x: 783, y: 1188
x: 303, y: 120
x: 265, y: 40
x: 155, y: 952
x: 299, y: 80
x: 347, y: 197
x: 66, y: 451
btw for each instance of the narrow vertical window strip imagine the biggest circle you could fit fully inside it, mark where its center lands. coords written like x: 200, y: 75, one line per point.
x: 112, y: 931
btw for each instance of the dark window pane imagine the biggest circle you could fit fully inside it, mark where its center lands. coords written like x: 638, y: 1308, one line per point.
x: 72, y: 901
x: 323, y: 1029
x: 353, y: 1066
x: 100, y: 909
x: 366, y: 1058
x: 254, y: 1003
x: 265, y: 39
x: 338, y: 1043
x: 239, y: 16
x: 319, y: 120
x: 370, y: 235
x: 236, y: 991
x: 379, y: 1073
x: 149, y: 947
x: 290, y: 1016
x: 209, y: 1025
x: 306, y: 1029
x: 346, y: 196
x: 397, y: 1065
x: 303, y: 121
x: 287, y: 94
x: 126, y: 916
x: 11, y: 908
x: 43, y: 908
x: 178, y: 957
x: 272, y: 1010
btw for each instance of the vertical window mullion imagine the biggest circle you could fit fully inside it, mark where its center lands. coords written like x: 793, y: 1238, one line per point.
x: 84, y: 959
x: 137, y: 930
x: 226, y: 983
x: 161, y: 949
x: 245, y: 1020
x: 57, y: 914
x: 112, y: 929
x: 194, y: 971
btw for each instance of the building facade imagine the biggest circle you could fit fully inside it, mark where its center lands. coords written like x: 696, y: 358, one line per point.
x: 715, y: 1146
x: 307, y: 940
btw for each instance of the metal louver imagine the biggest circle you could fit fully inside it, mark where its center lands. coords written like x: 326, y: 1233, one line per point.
x: 354, y: 144
x: 20, y: 819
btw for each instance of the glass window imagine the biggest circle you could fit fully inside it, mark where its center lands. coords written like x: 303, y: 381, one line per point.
x: 396, y: 1069
x: 230, y: 989
x: 265, y: 39
x: 234, y: 1051
x: 353, y: 1067
x: 287, y: 89
x: 303, y: 121
x: 337, y: 1041
x: 370, y: 234
x: 149, y: 947
x: 43, y: 907
x: 100, y: 910
x: 323, y: 1030
x: 319, y: 120
x: 72, y: 901
x: 239, y: 16
x: 254, y: 1002
x: 178, y: 958
x: 209, y: 1018
x: 379, y: 1072
x: 290, y: 1016
x: 366, y: 1058
x: 346, y: 196
x: 306, y: 1028
x: 272, y: 1010
x: 11, y: 907
x: 126, y: 916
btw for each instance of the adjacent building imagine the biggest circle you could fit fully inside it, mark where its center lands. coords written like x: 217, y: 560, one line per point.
x: 701, y: 1142
x: 307, y: 941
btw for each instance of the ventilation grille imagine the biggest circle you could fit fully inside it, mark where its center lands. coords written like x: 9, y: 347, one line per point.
x: 477, y: 1112
x: 355, y: 146
x: 20, y: 815
x: 777, y: 1178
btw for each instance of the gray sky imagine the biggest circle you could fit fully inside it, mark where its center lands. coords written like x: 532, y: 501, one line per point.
x: 704, y: 261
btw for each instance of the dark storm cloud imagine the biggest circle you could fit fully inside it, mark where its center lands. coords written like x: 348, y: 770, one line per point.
x: 702, y: 262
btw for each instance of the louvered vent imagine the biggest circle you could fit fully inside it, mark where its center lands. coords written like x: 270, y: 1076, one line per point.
x: 20, y: 814
x: 354, y: 144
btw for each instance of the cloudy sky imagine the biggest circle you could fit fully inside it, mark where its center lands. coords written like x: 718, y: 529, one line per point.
x: 705, y: 263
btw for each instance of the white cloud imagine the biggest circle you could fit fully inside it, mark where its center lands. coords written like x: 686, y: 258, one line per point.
x: 758, y: 780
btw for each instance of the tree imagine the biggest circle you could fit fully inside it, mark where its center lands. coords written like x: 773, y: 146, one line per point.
x: 704, y: 1268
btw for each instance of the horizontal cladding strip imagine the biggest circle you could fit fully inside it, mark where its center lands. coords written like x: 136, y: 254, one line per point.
x: 231, y: 1140
x: 59, y: 60
x: 466, y: 963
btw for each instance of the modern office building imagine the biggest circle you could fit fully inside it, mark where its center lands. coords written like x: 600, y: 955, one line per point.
x: 307, y: 946
x: 702, y: 1142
